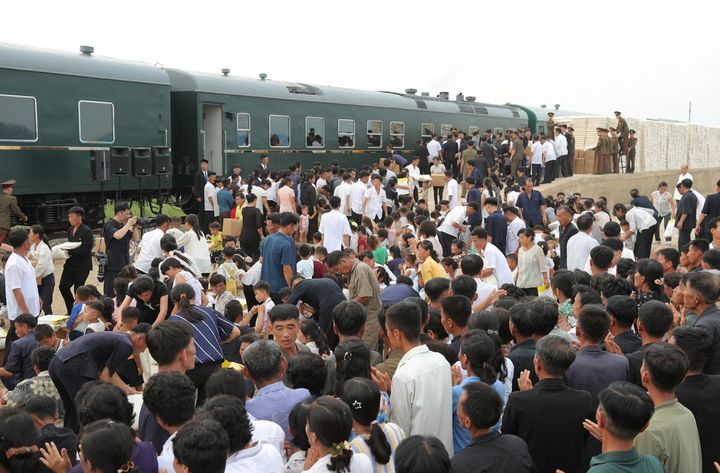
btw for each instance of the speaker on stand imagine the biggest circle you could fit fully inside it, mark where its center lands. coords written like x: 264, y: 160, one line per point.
x: 162, y: 166
x: 100, y: 172
x: 141, y: 167
x: 119, y: 166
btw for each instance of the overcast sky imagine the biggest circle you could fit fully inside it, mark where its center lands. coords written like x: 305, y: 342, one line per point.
x: 648, y: 59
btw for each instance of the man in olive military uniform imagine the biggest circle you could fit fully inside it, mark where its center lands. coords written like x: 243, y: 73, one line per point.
x: 602, y: 152
x: 517, y: 153
x: 568, y: 132
x: 614, y: 151
x: 632, y: 142
x: 551, y: 124
x: 8, y: 207
x: 622, y: 131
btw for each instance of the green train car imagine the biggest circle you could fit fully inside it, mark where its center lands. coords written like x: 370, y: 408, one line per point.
x: 55, y: 108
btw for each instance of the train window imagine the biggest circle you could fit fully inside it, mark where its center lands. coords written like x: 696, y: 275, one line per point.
x: 279, y: 131
x: 427, y: 130
x: 18, y: 118
x: 445, y: 129
x: 243, y: 130
x: 97, y: 121
x: 346, y: 133
x: 374, y: 133
x: 397, y: 134
x: 314, y: 132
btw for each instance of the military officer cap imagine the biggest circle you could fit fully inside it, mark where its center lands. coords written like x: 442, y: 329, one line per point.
x: 617, y: 113
x: 598, y: 129
x: 632, y: 131
x: 551, y: 114
x: 8, y: 183
x: 571, y: 128
x: 563, y: 126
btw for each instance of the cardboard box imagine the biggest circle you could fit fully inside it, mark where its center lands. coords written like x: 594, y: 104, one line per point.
x: 438, y: 180
x: 578, y: 166
x: 231, y: 227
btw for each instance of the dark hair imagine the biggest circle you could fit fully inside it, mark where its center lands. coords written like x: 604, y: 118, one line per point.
x: 202, y: 446
x: 652, y: 271
x: 194, y: 222
x: 121, y: 207
x: 697, y: 344
x: 43, y: 331
x: 227, y: 381
x: 712, y: 258
x: 330, y: 420
x: 363, y: 398
x: 464, y: 285
x: 182, y: 295
x: 40, y: 357
x: 587, y: 295
x: 625, y: 267
x: 108, y: 446
x: 435, y: 325
x: 555, y: 353
x: 421, y: 454
x: 170, y: 396
x: 42, y: 406
x: 18, y: 430
x: 435, y: 287
x: 230, y: 412
x: 706, y: 284
x: 547, y: 314
x: 428, y: 246
x: 563, y: 281
x: 167, y: 339
x: 602, y: 256
x: 18, y: 237
x: 312, y: 331
x: 130, y: 313
x: 482, y: 405
x: 656, y: 317
x: 352, y: 359
x: 624, y: 309
x: 670, y: 254
x: 283, y: 312
x: 297, y: 420
x: 594, y: 322
x: 471, y: 265
x: 611, y: 286
x: 40, y: 231
x: 406, y: 317
x: 627, y: 408
x: 96, y: 400
x: 28, y: 320
x: 480, y: 350
x: 667, y: 365
x: 457, y: 309
x: 349, y: 318
x: 307, y: 370
x: 523, y: 318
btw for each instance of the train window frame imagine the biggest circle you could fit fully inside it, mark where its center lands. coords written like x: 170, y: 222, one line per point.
x: 431, y: 126
x: 395, y: 135
x: 375, y: 133
x: 289, y: 129
x: 353, y: 134
x: 307, y: 132
x: 97, y: 102
x: 248, y: 129
x: 449, y: 129
x: 37, y: 130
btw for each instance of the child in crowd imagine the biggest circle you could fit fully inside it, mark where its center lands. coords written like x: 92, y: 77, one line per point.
x: 120, y: 288
x: 362, y: 245
x: 313, y: 338
x: 380, y: 253
x: 265, y: 305
x: 457, y: 249
x: 317, y: 239
x: 222, y: 295
x: 305, y: 267
x: 319, y: 268
x: 450, y: 265
x: 88, y: 320
x: 83, y: 295
x: 284, y: 295
x: 229, y: 271
x: 304, y: 224
x: 630, y: 242
x: 233, y: 311
x: 216, y: 242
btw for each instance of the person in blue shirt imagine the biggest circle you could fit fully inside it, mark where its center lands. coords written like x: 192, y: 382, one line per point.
x: 474, y: 195
x: 477, y: 352
x: 532, y: 205
x: 495, y: 224
x: 279, y: 256
x: 225, y: 199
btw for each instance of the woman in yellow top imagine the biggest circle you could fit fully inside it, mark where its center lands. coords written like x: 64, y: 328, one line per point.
x: 236, y: 212
x: 430, y: 267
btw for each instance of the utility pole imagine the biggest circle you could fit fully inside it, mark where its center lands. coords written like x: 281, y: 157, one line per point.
x: 690, y: 112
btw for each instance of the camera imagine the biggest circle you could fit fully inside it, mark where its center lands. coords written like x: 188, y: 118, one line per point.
x: 145, y: 221
x: 102, y: 262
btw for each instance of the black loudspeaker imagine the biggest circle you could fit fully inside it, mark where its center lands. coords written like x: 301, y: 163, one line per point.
x: 161, y: 160
x: 119, y: 161
x: 99, y: 168
x: 141, y: 162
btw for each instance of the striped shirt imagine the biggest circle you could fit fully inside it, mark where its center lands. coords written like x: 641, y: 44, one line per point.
x: 394, y: 435
x: 207, y: 333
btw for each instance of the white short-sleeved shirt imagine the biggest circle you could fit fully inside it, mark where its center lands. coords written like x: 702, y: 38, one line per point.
x: 578, y: 250
x: 681, y: 177
x: 561, y: 143
x: 209, y: 191
x: 537, y: 150
x: 19, y: 274
x: 496, y: 260
x: 639, y: 219
x: 374, y: 206
x: 259, y: 457
x: 357, y: 196
x: 549, y: 149
x: 513, y: 240
x: 149, y: 250
x: 360, y: 463
x: 334, y: 226
x: 342, y: 191
x: 455, y: 215
x: 260, y: 193
x: 434, y: 148
x: 452, y: 192
x: 661, y: 202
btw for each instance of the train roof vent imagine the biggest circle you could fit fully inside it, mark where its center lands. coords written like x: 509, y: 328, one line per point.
x: 465, y: 108
x: 479, y: 110
x: 421, y: 104
x: 87, y: 50
x: 303, y: 89
x: 411, y: 91
x: 425, y: 94
x: 470, y: 98
x: 516, y: 114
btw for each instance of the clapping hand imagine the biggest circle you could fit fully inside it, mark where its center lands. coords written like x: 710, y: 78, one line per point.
x: 456, y: 374
x: 382, y: 380
x: 611, y: 346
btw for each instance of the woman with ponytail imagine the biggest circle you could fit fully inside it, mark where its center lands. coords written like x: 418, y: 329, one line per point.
x: 195, y: 244
x: 477, y: 357
x: 178, y: 273
x: 377, y: 441
x: 209, y: 329
x: 19, y: 442
x: 430, y: 267
x: 329, y: 425
x: 649, y: 282
x: 107, y: 447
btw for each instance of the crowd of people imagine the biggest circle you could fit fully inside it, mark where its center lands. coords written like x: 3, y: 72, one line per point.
x: 351, y: 326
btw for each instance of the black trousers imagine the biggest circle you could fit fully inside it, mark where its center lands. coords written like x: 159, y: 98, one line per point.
x: 437, y: 194
x: 209, y: 218
x: 251, y: 248
x: 249, y: 294
x: 564, y: 167
x: 643, y: 243
x: 9, y: 339
x: 70, y: 280
x: 569, y: 164
x: 446, y: 242
x: 199, y: 376
x: 536, y: 171
x: 68, y: 381
x: 110, y: 276
x: 45, y: 290
x: 550, y: 171
x: 684, y: 238
x: 356, y: 217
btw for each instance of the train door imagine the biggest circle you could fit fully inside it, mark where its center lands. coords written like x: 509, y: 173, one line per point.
x: 212, y: 133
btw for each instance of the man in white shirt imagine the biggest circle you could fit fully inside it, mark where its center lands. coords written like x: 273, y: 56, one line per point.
x: 413, y: 170
x: 550, y: 159
x: 537, y: 160
x: 342, y: 191
x: 209, y: 198
x: 357, y: 196
x: 434, y: 148
x: 335, y: 227
x: 452, y: 189
x: 580, y: 244
x: 642, y: 226
x: 514, y: 225
x: 21, y: 289
x: 495, y: 262
x: 261, y: 203
x: 453, y: 224
x: 374, y: 202
x: 684, y: 174
x: 421, y: 395
x: 562, y: 151
x: 150, y: 244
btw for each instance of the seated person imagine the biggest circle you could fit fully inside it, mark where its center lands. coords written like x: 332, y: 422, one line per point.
x: 40, y: 385
x: 18, y: 366
x: 45, y: 415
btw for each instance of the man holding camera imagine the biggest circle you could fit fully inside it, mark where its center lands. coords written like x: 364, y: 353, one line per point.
x: 117, y: 234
